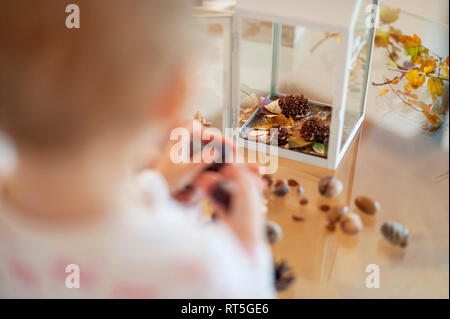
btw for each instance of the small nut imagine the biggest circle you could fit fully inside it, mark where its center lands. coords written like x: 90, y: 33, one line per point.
x: 367, y: 205
x: 395, y: 233
x: 351, y: 224
x: 281, y: 190
x: 273, y: 232
x: 324, y: 207
x: 337, y: 213
x: 331, y: 226
x: 304, y: 201
x: 279, y: 182
x: 292, y: 182
x: 330, y: 186
x: 268, y: 179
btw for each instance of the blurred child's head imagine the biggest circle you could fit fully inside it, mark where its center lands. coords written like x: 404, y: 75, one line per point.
x: 63, y: 89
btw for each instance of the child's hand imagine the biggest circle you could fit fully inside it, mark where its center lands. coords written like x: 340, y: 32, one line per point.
x: 180, y: 175
x: 245, y: 216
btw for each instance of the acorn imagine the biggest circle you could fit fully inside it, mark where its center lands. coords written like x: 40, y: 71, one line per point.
x: 337, y: 213
x: 281, y: 190
x: 351, y: 224
x: 273, y: 232
x: 395, y: 233
x: 367, y: 205
x: 330, y: 186
x: 292, y: 182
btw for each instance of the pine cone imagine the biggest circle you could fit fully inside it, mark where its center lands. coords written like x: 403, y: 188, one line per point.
x: 284, y: 275
x: 294, y: 106
x: 280, y: 136
x: 315, y: 130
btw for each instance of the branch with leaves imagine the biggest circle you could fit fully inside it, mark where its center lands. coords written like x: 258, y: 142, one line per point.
x: 420, y: 66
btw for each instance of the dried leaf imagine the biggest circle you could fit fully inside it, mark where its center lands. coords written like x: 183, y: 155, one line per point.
x: 433, y: 118
x: 297, y: 142
x: 408, y: 65
x: 392, y: 63
x: 389, y: 15
x: 415, y: 80
x: 381, y: 38
x: 409, y: 42
x: 444, y: 69
x: 414, y: 96
x: 394, y: 33
x: 434, y: 86
x: 428, y: 64
x: 418, y: 104
x: 383, y: 91
x: 273, y: 121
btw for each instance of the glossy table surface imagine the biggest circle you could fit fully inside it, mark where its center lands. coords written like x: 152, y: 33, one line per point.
x: 396, y: 162
x: 392, y: 159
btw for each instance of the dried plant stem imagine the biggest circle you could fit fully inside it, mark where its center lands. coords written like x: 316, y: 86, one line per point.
x: 385, y: 83
x: 427, y: 75
x: 403, y: 100
x: 329, y: 36
x: 441, y: 177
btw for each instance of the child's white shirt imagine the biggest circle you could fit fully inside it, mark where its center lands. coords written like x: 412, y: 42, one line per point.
x: 159, y: 250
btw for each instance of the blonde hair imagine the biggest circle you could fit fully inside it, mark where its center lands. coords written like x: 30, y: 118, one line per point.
x: 61, y: 86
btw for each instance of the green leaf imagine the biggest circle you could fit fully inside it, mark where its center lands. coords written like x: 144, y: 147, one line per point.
x: 320, y: 148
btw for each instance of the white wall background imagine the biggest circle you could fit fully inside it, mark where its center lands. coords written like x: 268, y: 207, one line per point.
x: 435, y: 10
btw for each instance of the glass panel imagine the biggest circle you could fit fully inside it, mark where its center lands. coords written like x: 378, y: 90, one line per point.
x: 305, y: 66
x: 358, y: 74
x: 211, y: 70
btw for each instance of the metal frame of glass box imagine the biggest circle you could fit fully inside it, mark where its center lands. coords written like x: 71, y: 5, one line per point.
x: 314, y: 15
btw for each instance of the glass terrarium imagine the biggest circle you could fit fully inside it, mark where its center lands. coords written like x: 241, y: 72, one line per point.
x: 300, y: 74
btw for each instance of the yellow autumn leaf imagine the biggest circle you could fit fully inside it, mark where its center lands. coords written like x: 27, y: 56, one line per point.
x: 273, y: 121
x: 444, y: 68
x: 419, y: 104
x: 381, y: 38
x: 394, y: 33
x: 415, y: 80
x: 383, y: 91
x: 432, y: 117
x: 434, y: 87
x: 392, y: 64
x: 409, y: 41
x: 428, y: 64
x: 389, y: 15
x: 414, y: 96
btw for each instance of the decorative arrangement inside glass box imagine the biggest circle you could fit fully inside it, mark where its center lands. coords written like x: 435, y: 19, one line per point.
x: 292, y: 122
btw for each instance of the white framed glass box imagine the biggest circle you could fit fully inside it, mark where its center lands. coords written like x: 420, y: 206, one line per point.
x: 301, y: 68
x: 211, y: 71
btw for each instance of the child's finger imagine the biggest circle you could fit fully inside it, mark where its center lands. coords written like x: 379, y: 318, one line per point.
x: 207, y: 180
